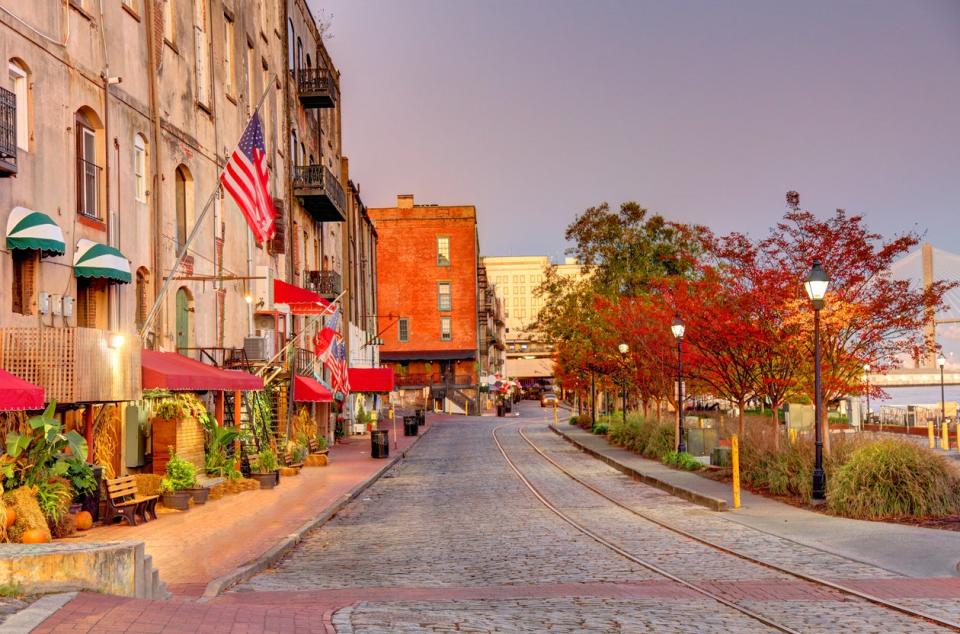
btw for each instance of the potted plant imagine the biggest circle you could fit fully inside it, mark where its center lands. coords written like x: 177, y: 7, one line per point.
x: 82, y: 482
x: 177, y: 484
x: 264, y: 468
x: 322, y: 446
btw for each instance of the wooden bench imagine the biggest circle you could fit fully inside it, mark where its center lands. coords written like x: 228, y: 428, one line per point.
x: 314, y: 447
x: 123, y: 501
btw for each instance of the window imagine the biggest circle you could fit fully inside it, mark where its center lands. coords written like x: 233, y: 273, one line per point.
x: 444, y: 302
x: 130, y: 4
x: 88, y: 172
x: 91, y: 309
x: 443, y: 251
x: 293, y: 147
x: 24, y: 280
x: 20, y: 79
x: 251, y: 84
x: 202, y: 46
x: 291, y: 56
x: 143, y: 296
x: 229, y: 66
x: 169, y: 21
x: 140, y: 167
x: 446, y: 329
x: 403, y: 328
x: 299, y: 60
x: 183, y: 198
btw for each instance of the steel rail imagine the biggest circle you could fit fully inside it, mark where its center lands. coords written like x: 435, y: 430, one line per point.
x: 952, y: 625
x: 623, y: 553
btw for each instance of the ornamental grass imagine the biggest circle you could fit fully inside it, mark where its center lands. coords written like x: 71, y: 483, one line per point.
x: 23, y: 501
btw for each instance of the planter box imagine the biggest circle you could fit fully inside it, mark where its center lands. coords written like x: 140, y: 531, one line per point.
x: 178, y: 500
x: 266, y: 480
x: 200, y: 495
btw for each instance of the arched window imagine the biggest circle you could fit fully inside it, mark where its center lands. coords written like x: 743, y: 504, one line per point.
x: 291, y: 63
x: 184, y: 319
x: 90, y: 149
x: 20, y: 80
x: 309, y: 63
x: 293, y: 148
x: 143, y: 296
x: 140, y: 167
x: 303, y: 152
x: 299, y: 60
x: 184, y: 201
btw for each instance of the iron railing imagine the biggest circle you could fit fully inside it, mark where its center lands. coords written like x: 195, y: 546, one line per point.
x: 8, y: 132
x: 325, y: 283
x: 318, y: 177
x: 317, y: 81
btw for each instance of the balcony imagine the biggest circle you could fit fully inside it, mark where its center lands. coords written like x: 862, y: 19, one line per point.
x: 317, y: 88
x: 319, y: 192
x: 73, y: 365
x: 8, y: 133
x: 327, y: 284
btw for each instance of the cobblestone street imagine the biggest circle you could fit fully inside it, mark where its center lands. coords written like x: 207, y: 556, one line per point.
x: 452, y: 539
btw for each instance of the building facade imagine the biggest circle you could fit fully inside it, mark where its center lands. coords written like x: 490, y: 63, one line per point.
x: 121, y: 117
x: 428, y: 301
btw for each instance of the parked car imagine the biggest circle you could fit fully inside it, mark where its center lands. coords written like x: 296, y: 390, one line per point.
x: 549, y: 399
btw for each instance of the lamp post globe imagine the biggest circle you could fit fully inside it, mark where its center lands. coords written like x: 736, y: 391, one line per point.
x: 816, y: 285
x: 678, y: 329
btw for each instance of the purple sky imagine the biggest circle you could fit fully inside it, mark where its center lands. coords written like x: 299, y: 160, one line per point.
x: 705, y: 111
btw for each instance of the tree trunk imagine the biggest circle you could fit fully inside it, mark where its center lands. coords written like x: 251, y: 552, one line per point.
x: 740, y: 423
x: 646, y: 408
x: 775, y: 421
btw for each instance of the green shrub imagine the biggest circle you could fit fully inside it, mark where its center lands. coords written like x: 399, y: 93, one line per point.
x: 574, y: 420
x: 54, y: 498
x: 180, y: 475
x: 600, y: 429
x: 681, y: 460
x: 660, y: 441
x: 892, y: 478
x: 265, y: 462
x: 80, y: 475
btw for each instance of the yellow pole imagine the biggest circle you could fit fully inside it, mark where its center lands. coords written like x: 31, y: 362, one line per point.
x: 930, y: 435
x: 735, y: 457
x: 555, y: 415
x: 466, y: 412
x: 958, y: 436
x: 945, y: 436
x: 793, y: 436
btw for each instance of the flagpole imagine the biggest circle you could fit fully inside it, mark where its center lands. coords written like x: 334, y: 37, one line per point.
x: 196, y: 228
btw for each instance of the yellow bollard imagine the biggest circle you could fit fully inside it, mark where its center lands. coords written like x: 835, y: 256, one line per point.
x: 930, y: 435
x: 793, y: 436
x: 556, y: 419
x: 466, y: 412
x: 945, y: 436
x: 735, y: 458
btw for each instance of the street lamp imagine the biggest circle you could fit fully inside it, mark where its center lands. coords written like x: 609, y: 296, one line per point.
x: 624, y: 349
x: 816, y: 287
x: 866, y: 375
x: 677, y: 328
x: 941, y: 363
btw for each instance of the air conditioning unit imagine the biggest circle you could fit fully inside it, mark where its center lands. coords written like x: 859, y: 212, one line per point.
x: 259, y: 347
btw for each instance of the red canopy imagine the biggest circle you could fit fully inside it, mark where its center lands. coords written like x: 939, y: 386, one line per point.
x: 17, y: 394
x: 308, y: 390
x: 371, y: 379
x: 172, y: 371
x: 300, y: 300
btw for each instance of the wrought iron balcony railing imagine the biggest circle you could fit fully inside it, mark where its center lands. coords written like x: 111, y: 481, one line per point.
x: 319, y: 192
x: 317, y: 88
x: 325, y: 283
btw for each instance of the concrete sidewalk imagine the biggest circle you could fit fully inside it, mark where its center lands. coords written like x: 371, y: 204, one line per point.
x: 908, y: 550
x: 222, y: 537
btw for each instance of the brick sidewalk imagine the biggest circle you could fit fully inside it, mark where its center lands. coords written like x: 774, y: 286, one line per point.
x: 192, y: 548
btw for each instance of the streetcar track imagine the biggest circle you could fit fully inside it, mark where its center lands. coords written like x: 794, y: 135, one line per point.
x: 890, y: 605
x: 643, y: 563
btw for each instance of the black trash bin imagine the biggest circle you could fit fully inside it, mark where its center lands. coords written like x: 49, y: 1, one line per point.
x: 508, y: 406
x: 421, y: 417
x: 410, y: 426
x: 500, y: 409
x: 379, y: 443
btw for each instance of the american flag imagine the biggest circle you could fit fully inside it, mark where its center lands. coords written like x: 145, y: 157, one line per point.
x: 322, y: 342
x: 339, y: 375
x: 245, y: 177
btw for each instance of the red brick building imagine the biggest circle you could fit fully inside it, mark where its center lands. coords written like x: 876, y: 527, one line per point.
x: 427, y: 289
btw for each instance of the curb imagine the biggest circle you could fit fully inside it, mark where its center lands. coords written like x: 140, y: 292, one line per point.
x: 240, y: 574
x: 36, y: 613
x: 712, y: 503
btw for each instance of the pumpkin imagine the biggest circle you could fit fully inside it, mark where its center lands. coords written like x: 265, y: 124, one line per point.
x: 11, y: 516
x: 84, y: 520
x: 35, y: 536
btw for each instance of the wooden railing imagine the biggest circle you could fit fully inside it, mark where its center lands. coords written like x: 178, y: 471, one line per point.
x: 73, y: 365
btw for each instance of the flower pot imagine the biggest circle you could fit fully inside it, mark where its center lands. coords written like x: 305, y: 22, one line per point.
x: 75, y: 508
x: 200, y: 495
x: 266, y: 480
x: 177, y: 500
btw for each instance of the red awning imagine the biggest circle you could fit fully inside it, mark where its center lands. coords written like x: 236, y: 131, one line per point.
x: 371, y: 379
x: 17, y: 394
x: 300, y: 300
x: 172, y: 371
x: 307, y: 390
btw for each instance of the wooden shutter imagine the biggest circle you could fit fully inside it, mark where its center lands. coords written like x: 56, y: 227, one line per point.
x: 296, y: 250
x: 29, y: 281
x: 278, y: 244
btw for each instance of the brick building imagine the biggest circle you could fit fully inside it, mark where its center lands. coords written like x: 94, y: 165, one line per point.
x: 427, y: 290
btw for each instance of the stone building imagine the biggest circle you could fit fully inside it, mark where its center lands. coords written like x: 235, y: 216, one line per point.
x: 123, y: 114
x: 428, y: 301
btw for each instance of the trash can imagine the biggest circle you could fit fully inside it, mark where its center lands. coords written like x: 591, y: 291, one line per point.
x: 421, y: 417
x: 508, y: 406
x: 379, y: 443
x: 410, y: 426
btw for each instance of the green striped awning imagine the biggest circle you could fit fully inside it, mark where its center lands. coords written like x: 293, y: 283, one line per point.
x: 27, y: 229
x: 93, y: 259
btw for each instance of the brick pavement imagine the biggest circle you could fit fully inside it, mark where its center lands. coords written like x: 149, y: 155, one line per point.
x: 450, y: 541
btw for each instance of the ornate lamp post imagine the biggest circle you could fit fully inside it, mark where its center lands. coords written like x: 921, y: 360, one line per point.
x: 866, y: 375
x: 941, y: 363
x: 624, y: 349
x: 677, y: 328
x: 816, y: 286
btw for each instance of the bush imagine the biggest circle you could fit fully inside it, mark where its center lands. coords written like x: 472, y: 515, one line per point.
x: 600, y: 429
x: 265, y: 462
x: 180, y: 475
x: 893, y: 478
x: 574, y: 420
x: 681, y: 460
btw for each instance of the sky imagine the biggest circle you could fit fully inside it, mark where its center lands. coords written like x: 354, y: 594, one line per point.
x: 704, y: 111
